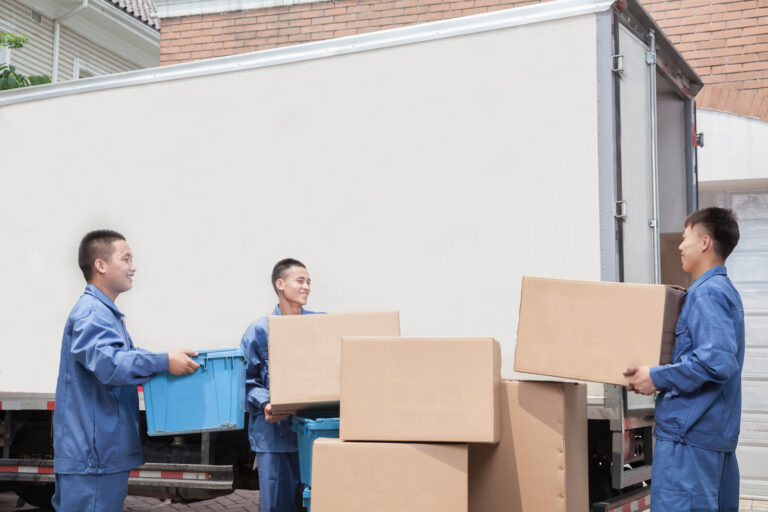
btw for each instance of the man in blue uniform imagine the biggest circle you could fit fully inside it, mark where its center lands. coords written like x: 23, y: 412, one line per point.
x: 96, y: 418
x: 698, y: 410
x: 271, y: 436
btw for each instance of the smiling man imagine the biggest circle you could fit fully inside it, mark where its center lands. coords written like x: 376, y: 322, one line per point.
x: 698, y: 411
x: 96, y: 418
x: 270, y: 435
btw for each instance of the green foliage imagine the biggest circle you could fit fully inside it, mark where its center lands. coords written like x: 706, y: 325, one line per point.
x: 10, y: 79
x: 13, y: 41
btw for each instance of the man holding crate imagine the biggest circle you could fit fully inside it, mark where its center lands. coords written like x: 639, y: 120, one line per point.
x: 271, y: 435
x: 96, y: 417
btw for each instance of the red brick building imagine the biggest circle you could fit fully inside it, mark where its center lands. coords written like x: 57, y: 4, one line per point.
x: 726, y: 41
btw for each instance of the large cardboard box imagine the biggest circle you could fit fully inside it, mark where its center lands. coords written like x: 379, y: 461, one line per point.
x: 594, y: 331
x: 305, y: 355
x: 387, y: 477
x: 420, y: 389
x: 541, y: 462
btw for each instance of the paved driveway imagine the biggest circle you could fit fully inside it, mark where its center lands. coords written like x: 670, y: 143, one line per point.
x: 239, y: 501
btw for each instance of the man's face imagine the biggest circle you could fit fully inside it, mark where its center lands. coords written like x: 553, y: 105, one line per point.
x: 118, y: 270
x: 295, y: 285
x: 695, y: 240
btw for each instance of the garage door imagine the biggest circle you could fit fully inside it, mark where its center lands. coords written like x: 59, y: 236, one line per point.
x: 748, y: 269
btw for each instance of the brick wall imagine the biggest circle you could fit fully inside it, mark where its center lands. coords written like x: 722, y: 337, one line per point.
x: 214, y: 35
x: 726, y: 41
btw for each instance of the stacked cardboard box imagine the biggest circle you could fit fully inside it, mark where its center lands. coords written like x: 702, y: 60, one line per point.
x: 305, y: 355
x: 382, y: 477
x: 420, y: 390
x: 541, y: 461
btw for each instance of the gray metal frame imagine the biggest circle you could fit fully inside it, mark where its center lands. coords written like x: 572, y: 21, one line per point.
x: 607, y: 148
x: 221, y: 476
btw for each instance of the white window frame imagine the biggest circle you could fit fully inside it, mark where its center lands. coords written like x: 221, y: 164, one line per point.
x: 5, y: 53
x: 81, y: 65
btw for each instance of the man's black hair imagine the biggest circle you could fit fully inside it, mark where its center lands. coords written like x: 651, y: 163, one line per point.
x: 96, y: 245
x: 282, y: 267
x: 721, y: 225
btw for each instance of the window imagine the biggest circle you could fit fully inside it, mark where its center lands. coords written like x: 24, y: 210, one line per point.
x: 85, y: 70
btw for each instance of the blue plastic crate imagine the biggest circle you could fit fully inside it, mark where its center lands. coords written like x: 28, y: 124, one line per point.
x: 309, y: 427
x: 306, y: 497
x: 211, y: 399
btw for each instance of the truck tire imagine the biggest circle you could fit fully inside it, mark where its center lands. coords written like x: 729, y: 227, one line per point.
x: 39, y: 496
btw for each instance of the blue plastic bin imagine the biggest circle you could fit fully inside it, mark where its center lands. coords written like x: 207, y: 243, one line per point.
x: 306, y: 497
x: 211, y: 399
x: 309, y: 427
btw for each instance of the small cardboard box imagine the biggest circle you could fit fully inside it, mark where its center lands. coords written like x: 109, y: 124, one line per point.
x: 541, y: 462
x: 594, y: 331
x: 386, y: 477
x: 420, y: 389
x: 305, y: 355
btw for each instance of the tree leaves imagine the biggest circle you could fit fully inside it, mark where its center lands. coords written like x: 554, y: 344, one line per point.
x: 9, y: 78
x: 13, y: 41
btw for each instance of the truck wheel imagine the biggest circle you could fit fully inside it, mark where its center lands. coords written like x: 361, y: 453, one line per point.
x: 39, y: 496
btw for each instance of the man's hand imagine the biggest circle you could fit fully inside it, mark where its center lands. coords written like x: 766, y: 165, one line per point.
x: 641, y: 380
x: 179, y: 362
x: 273, y: 418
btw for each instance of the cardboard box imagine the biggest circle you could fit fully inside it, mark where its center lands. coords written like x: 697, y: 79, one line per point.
x: 305, y: 355
x: 672, y: 272
x: 541, y: 462
x: 386, y: 477
x: 594, y: 331
x: 420, y: 389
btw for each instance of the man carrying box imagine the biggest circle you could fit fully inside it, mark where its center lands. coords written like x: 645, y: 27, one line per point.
x: 271, y: 436
x: 698, y: 411
x: 96, y: 438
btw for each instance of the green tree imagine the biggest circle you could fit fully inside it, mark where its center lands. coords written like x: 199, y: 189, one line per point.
x: 9, y: 78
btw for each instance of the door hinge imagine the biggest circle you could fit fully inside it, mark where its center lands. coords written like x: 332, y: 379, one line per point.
x: 620, y: 211
x: 617, y: 64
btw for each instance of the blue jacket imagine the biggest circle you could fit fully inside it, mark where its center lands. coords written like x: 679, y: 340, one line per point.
x: 700, y: 401
x: 264, y: 437
x: 96, y: 416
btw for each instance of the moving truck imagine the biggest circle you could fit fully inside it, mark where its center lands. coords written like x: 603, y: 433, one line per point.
x: 423, y: 169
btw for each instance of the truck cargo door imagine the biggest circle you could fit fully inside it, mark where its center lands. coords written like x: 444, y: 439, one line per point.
x: 635, y: 175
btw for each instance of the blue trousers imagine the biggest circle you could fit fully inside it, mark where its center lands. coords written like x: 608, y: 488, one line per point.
x: 278, y: 481
x: 90, y: 493
x: 689, y: 479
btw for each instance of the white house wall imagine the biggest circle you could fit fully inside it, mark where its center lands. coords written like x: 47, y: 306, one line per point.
x: 37, y: 55
x: 74, y: 45
x: 735, y: 147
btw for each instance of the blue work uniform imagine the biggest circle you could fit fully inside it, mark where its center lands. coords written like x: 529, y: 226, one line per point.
x: 274, y: 443
x: 698, y: 412
x: 96, y: 438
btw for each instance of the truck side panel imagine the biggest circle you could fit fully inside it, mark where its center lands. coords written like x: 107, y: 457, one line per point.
x: 426, y: 178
